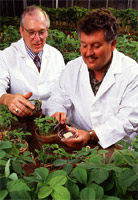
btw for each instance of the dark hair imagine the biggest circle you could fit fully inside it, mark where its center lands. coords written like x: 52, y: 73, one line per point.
x: 30, y: 10
x: 99, y: 19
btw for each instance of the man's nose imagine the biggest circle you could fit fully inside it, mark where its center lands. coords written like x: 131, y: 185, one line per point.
x: 89, y: 51
x: 37, y: 36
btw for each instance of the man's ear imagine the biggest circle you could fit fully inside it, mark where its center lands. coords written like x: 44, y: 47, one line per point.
x: 113, y: 44
x: 21, y: 31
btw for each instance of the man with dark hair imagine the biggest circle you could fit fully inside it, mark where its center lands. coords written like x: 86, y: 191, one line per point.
x: 100, y: 88
x: 29, y: 67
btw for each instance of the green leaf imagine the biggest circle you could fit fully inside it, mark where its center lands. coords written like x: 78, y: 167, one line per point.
x: 80, y: 174
x: 2, y: 154
x: 60, y: 193
x: 44, y: 192
x: 3, y: 194
x: 5, y: 144
x: 67, y: 168
x: 87, y: 193
x: 17, y: 185
x: 111, y: 198
x: 98, y: 190
x: 126, y: 178
x: 113, y: 167
x: 13, y: 176
x: 118, y: 158
x: 55, y: 174
x: 98, y: 175
x: 73, y: 189
x: 59, y: 162
x: 41, y: 174
x: 58, y: 180
x: 22, y: 195
x: 7, y: 168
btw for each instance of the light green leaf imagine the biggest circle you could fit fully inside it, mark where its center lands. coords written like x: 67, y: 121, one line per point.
x: 7, y: 168
x: 44, y: 192
x: 58, y: 180
x: 60, y: 193
x: 87, y: 193
x: 13, y: 176
x: 54, y: 174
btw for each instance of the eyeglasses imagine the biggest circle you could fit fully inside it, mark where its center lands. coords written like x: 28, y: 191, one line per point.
x: 32, y: 34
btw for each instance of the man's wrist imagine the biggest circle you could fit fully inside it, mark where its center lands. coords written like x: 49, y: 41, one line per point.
x: 93, y: 136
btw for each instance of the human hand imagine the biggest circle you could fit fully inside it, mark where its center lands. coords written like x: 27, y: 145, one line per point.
x: 79, y: 142
x: 17, y: 103
x: 60, y: 116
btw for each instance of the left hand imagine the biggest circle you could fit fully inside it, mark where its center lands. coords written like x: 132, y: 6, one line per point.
x: 79, y: 142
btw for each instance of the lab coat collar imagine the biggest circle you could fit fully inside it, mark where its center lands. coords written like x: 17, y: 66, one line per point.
x: 20, y: 45
x: 109, y: 79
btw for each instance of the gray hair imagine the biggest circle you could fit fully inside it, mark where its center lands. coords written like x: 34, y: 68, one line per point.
x: 30, y: 11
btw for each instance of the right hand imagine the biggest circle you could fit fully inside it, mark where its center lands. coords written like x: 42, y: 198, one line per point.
x: 60, y: 116
x: 18, y: 102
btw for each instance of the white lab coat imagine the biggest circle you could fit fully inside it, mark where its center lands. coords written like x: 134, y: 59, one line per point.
x: 18, y: 70
x: 113, y: 112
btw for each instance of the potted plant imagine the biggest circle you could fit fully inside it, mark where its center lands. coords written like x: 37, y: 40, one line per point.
x: 17, y: 136
x: 7, y: 119
x: 37, y: 104
x: 46, y: 131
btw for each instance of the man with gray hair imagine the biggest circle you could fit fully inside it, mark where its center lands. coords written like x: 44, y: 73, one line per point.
x: 29, y: 67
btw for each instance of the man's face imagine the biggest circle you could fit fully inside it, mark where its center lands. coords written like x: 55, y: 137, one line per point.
x: 32, y: 24
x: 96, y: 52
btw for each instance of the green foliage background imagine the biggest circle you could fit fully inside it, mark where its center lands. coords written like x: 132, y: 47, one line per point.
x: 62, y: 32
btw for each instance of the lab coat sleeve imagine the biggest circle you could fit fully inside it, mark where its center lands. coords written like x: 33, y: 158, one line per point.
x: 4, y: 75
x: 124, y: 124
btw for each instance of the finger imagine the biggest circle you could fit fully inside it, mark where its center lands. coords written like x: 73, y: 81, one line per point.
x: 26, y: 102
x: 63, y: 117
x: 57, y: 116
x: 28, y: 95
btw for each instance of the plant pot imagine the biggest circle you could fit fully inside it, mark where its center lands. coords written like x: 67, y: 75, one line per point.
x: 51, y: 139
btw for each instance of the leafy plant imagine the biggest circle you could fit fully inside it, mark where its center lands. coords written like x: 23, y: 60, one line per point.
x: 6, y: 118
x: 52, y: 153
x: 46, y: 125
x: 128, y: 46
x: 16, y: 134
x: 37, y: 104
x: 10, y: 34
